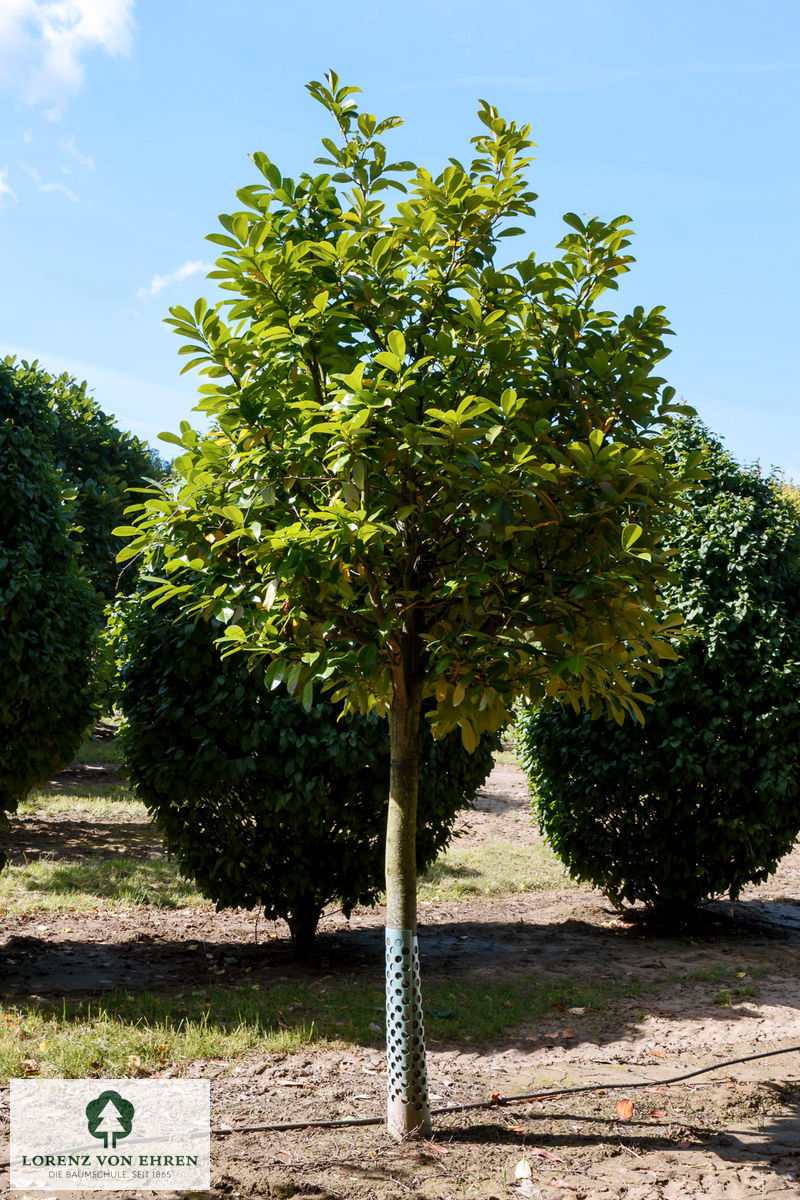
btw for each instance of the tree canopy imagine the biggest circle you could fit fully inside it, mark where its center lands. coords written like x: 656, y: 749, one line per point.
x: 432, y: 474
x: 409, y: 434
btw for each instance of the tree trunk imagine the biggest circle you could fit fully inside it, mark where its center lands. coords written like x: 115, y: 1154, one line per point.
x: 408, y: 1110
x: 302, y: 922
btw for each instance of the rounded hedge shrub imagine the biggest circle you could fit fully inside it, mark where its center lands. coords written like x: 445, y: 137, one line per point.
x: 261, y: 802
x: 96, y: 460
x: 48, y: 608
x: 705, y: 797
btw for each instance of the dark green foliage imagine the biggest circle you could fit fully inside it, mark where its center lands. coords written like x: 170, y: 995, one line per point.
x: 97, y: 460
x: 48, y: 608
x: 262, y: 802
x: 705, y: 797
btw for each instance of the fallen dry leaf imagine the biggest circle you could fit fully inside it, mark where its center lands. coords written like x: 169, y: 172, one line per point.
x: 523, y: 1169
x: 625, y: 1110
x: 548, y: 1154
x: 658, y: 1053
x: 438, y: 1149
x: 657, y: 1113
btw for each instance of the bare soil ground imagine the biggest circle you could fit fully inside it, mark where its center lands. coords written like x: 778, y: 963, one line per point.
x: 730, y: 1135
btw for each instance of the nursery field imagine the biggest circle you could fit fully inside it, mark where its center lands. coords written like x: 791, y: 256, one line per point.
x: 114, y: 966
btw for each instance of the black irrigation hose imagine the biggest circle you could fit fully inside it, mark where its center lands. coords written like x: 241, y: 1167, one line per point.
x: 497, y: 1101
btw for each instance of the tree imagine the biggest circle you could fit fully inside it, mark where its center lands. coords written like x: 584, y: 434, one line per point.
x: 703, y: 798
x: 48, y: 608
x: 263, y: 804
x: 97, y: 460
x: 429, y: 477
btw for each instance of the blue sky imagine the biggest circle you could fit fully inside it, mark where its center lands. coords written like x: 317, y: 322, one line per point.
x: 125, y: 128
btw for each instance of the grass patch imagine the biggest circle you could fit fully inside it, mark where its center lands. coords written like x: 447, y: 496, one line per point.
x: 728, y: 974
x: 726, y: 998
x: 126, y: 1034
x: 506, y: 757
x: 475, y: 1013
x: 80, y: 802
x: 54, y: 886
x: 493, y: 868
x: 99, y: 751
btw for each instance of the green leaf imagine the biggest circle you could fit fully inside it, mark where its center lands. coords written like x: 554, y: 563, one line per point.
x: 574, y: 221
x: 273, y: 676
x: 630, y: 535
x: 469, y: 738
x: 293, y: 677
x: 385, y: 358
x: 397, y: 344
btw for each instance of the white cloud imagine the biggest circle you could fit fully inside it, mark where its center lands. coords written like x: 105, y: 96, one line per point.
x: 159, y: 282
x: 5, y: 190
x: 43, y: 185
x: 69, y: 147
x: 45, y: 41
x: 58, y: 187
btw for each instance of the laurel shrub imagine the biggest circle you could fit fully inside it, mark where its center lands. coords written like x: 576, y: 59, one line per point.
x: 49, y: 610
x: 263, y: 803
x: 704, y: 798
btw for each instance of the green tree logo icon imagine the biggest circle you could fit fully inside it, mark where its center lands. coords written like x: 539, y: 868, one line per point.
x: 109, y: 1116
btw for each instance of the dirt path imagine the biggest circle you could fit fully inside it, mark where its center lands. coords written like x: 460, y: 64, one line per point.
x: 731, y: 989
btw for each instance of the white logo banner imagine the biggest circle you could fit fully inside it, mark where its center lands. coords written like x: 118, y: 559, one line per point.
x: 110, y: 1134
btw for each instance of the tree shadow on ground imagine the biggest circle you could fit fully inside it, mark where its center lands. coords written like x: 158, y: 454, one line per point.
x: 31, y: 838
